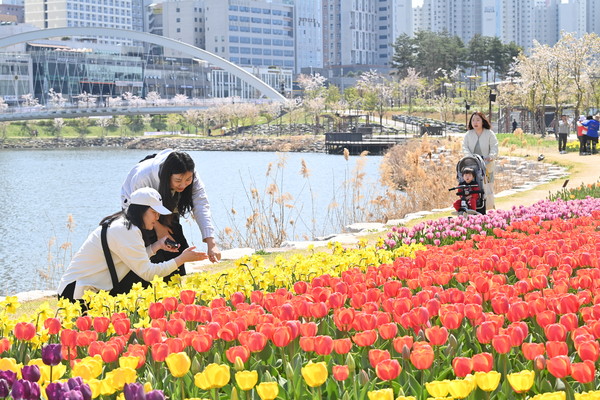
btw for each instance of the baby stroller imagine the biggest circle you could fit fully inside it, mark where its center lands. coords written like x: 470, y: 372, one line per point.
x: 477, y: 164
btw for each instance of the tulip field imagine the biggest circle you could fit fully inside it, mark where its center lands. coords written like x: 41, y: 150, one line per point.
x: 501, y: 306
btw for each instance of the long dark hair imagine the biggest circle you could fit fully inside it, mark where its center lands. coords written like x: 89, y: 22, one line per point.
x: 134, y: 215
x: 177, y: 162
x: 485, y: 124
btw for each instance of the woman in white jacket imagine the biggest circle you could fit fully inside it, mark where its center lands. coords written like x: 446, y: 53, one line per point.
x: 480, y: 139
x: 89, y: 269
x: 173, y: 175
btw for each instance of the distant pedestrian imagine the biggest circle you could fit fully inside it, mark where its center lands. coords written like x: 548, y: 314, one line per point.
x: 563, y: 133
x: 581, y: 135
x: 592, y: 126
x: 514, y: 125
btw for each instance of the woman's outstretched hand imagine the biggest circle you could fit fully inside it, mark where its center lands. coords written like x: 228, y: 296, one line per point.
x: 190, y: 254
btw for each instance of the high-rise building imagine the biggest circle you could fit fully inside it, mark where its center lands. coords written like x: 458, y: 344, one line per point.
x: 104, y: 13
x: 572, y: 17
x: 394, y: 18
x: 545, y: 15
x: 308, y: 24
x: 458, y: 18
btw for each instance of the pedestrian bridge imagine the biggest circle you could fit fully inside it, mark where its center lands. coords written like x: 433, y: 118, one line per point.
x: 31, y: 113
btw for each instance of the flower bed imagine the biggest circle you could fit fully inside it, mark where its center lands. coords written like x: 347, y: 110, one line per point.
x: 507, y: 309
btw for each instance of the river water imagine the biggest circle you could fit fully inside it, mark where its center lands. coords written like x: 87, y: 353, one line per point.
x: 41, y: 190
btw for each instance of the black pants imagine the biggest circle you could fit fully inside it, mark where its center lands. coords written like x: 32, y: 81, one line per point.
x: 583, y: 144
x: 562, y: 141
x: 161, y: 255
x: 124, y: 286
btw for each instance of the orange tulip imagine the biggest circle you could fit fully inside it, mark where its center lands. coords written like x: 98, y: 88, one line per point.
x: 388, y: 369
x: 365, y: 339
x: 532, y: 350
x: 237, y: 351
x: 583, y: 372
x: 377, y: 355
x: 422, y: 357
x: 24, y: 331
x: 559, y: 366
x: 482, y: 362
x: 340, y: 372
x: 342, y: 346
x: 462, y: 366
x: 501, y: 343
x: 556, y: 348
x: 436, y: 335
x: 323, y: 345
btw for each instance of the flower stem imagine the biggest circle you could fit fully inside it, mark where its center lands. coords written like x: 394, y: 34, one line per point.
x: 182, y: 388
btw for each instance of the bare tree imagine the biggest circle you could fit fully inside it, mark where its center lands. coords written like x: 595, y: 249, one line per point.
x: 57, y: 126
x: 377, y: 89
x: 56, y: 100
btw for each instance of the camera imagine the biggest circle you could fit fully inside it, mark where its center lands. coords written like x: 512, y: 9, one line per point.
x: 171, y: 243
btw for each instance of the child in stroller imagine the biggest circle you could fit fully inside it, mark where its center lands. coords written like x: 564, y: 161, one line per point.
x: 471, y: 176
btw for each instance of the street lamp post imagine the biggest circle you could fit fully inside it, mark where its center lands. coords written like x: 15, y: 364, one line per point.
x: 467, y: 107
x: 492, y: 98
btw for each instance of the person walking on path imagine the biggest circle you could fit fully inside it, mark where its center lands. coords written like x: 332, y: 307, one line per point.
x: 563, y: 133
x: 480, y: 139
x: 592, y: 126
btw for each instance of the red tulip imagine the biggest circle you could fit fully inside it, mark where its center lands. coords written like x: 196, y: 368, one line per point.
x: 308, y: 329
x: 559, y: 366
x: 84, y: 323
x: 482, y: 362
x: 175, y: 326
x: 532, y: 350
x: 588, y: 350
x: 53, y: 325
x: 68, y: 338
x: 202, y: 342
x: 170, y: 303
x: 24, y: 331
x: 110, y: 352
x: 556, y: 348
x: 462, y: 366
x: 187, y: 296
x: 85, y: 338
x: 451, y: 319
x: 342, y: 346
x: 388, y: 331
x: 583, y: 372
x: 122, y: 326
x: 545, y: 318
x: 282, y: 336
x: 377, y: 355
x: 501, y: 343
x: 336, y: 300
x: 159, y: 351
x: 402, y: 341
x: 323, y: 345
x: 365, y: 339
x: 343, y: 318
x: 388, y: 370
x: 555, y: 332
x: 318, y: 310
x: 229, y: 332
x: 307, y: 343
x: 300, y: 287
x: 175, y: 345
x: 422, y: 357
x: 101, y: 324
x: 340, y: 372
x: 237, y: 351
x: 5, y: 345
x: 569, y: 321
x: 152, y: 336
x: 156, y: 310
x: 436, y: 335
x: 486, y: 332
x: 256, y: 341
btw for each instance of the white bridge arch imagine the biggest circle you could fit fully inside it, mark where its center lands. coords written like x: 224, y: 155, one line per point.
x: 188, y: 49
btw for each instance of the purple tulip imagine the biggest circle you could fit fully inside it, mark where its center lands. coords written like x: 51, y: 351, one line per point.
x: 36, y: 391
x: 31, y: 373
x: 21, y: 390
x: 76, y: 382
x: 155, y: 395
x: 86, y: 391
x: 72, y: 395
x: 134, y: 391
x: 55, y: 390
x: 51, y: 354
x: 4, y: 388
x: 9, y: 376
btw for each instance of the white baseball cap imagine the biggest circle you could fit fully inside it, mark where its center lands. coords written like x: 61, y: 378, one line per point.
x: 149, y: 197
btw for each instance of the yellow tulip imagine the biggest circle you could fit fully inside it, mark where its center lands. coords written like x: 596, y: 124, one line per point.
x: 315, y: 374
x: 551, y: 396
x: 88, y: 368
x: 267, y: 390
x: 438, y: 388
x: 10, y: 364
x: 94, y: 387
x: 488, y: 381
x: 383, y: 394
x: 246, y: 380
x: 522, y: 381
x: 591, y: 395
x: 460, y: 388
x: 406, y: 398
x: 179, y: 364
x: 119, y: 377
x: 128, y: 362
x: 214, y: 376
